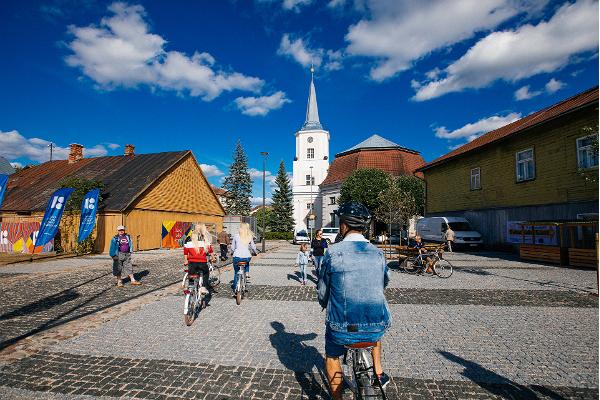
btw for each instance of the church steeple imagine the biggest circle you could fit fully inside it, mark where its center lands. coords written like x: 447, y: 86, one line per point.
x: 312, y: 111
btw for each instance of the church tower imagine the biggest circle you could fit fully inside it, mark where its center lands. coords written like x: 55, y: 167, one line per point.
x: 310, y: 164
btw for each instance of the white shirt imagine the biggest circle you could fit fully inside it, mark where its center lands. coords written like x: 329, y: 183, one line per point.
x: 242, y: 250
x: 355, y: 237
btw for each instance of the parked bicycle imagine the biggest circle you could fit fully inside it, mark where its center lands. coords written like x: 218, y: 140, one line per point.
x: 359, y: 372
x: 242, y: 282
x: 195, y: 293
x: 435, y: 259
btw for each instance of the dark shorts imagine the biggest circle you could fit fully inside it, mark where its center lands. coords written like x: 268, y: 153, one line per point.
x: 335, y: 341
x: 194, y: 268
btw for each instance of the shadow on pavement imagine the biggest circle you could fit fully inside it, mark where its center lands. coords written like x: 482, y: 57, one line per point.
x: 498, y: 384
x: 300, y: 358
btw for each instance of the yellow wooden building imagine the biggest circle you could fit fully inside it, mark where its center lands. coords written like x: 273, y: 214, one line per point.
x: 156, y: 196
x: 541, y: 167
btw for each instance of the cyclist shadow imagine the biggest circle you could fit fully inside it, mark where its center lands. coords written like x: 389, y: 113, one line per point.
x: 300, y: 358
x: 498, y: 384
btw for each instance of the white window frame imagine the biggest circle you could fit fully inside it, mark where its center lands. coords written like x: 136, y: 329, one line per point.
x: 518, y: 162
x: 308, y: 180
x: 476, y: 178
x: 579, y: 166
x: 310, y: 153
x: 332, y: 200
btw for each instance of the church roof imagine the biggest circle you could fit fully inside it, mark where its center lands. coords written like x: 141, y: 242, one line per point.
x: 377, y: 153
x: 312, y: 111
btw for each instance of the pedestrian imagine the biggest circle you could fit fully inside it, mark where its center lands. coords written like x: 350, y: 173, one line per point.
x: 404, y: 236
x: 197, y: 248
x: 243, y: 247
x: 302, y: 261
x: 224, y: 242
x: 318, y: 247
x: 449, y: 238
x: 121, y: 247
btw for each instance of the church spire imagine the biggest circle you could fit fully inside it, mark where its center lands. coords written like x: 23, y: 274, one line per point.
x: 312, y: 111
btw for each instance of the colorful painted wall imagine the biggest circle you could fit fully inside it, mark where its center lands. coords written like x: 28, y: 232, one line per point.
x: 173, y: 232
x: 18, y: 237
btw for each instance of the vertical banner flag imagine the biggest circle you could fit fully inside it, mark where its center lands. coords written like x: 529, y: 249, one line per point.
x: 52, y: 216
x: 87, y: 221
x: 3, y: 184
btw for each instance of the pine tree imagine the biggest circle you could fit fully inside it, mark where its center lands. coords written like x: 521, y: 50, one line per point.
x: 283, y: 206
x: 238, y: 184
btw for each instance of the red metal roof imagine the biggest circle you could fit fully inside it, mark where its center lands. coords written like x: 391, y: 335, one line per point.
x: 394, y: 161
x: 587, y: 97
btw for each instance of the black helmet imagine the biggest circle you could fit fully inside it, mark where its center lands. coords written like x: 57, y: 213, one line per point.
x: 354, y: 214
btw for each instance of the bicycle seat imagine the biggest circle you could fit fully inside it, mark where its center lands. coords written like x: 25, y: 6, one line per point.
x: 360, y: 345
x: 193, y: 276
x: 242, y: 263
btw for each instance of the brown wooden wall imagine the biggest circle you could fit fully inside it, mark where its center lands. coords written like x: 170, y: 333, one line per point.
x: 184, y: 189
x: 557, y: 180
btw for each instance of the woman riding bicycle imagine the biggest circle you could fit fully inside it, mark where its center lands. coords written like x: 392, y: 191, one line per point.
x: 196, y: 249
x: 242, y: 246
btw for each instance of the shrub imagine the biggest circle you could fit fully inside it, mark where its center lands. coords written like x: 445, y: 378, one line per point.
x: 279, y: 235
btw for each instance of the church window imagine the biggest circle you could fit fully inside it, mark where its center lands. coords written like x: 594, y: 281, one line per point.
x: 332, y: 200
x: 332, y: 217
x: 310, y: 153
x: 308, y: 180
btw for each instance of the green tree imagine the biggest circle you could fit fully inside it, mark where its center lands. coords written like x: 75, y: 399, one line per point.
x: 238, y: 184
x: 364, y: 186
x: 413, y: 190
x: 283, y: 206
x: 264, y: 217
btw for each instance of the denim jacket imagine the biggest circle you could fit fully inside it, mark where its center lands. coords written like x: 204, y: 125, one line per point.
x: 114, y: 245
x: 351, y: 286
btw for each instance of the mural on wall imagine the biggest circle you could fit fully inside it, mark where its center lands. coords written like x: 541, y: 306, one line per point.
x: 18, y: 237
x: 173, y: 232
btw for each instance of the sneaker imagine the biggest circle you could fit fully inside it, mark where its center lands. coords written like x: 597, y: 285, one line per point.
x: 203, y: 290
x: 136, y: 283
x: 384, y: 379
x: 119, y: 284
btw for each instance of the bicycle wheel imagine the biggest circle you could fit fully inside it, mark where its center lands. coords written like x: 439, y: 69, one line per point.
x: 442, y: 268
x: 238, y: 291
x: 410, y: 266
x: 188, y: 317
x: 367, y: 391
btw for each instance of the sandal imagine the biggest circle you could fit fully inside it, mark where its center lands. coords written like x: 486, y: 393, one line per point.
x: 136, y: 283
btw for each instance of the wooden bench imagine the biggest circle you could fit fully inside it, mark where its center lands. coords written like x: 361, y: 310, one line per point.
x: 547, y: 254
x: 583, y: 257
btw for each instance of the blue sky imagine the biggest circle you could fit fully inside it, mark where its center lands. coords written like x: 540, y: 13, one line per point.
x: 428, y: 75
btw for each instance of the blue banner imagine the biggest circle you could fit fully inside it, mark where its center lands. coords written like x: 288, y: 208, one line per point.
x: 89, y: 206
x: 3, y: 184
x: 52, y: 216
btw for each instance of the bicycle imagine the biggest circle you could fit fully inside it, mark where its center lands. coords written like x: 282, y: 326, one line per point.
x: 195, y: 295
x: 359, y: 372
x: 241, y: 287
x: 418, y: 264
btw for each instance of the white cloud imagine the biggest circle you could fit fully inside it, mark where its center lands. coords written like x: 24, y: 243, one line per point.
x: 554, y: 85
x: 398, y: 33
x: 336, y: 3
x: 13, y: 145
x: 299, y: 50
x: 289, y: 5
x: 16, y: 164
x: 113, y: 146
x: 257, y: 201
x: 524, y: 93
x: 529, y: 50
x: 121, y: 52
x: 210, y: 170
x: 473, y: 130
x: 262, y: 105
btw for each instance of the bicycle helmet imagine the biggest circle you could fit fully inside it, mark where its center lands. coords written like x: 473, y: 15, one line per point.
x: 355, y: 215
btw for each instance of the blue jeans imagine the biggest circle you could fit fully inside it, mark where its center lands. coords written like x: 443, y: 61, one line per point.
x: 318, y: 263
x: 303, y: 271
x: 236, y: 268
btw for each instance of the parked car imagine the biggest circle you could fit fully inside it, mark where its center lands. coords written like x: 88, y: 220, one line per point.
x: 329, y: 234
x: 432, y: 229
x: 301, y: 237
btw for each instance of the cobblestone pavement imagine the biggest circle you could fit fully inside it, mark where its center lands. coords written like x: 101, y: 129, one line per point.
x: 498, y: 328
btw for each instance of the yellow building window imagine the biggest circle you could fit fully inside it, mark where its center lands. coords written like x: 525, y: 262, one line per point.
x: 475, y: 178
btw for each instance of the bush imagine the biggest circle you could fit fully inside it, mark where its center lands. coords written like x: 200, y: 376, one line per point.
x: 279, y: 235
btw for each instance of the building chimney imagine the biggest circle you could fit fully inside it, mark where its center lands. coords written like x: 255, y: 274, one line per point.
x: 76, y: 153
x: 129, y: 150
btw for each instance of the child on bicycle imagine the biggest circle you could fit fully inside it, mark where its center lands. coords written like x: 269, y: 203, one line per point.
x: 196, y: 250
x: 302, y: 261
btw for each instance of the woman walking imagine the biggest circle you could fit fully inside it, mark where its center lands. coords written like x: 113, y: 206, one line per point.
x: 242, y: 246
x: 302, y: 261
x: 197, y: 248
x: 319, y: 247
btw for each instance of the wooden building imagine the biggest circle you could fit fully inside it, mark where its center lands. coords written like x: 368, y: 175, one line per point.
x: 540, y: 168
x: 156, y: 196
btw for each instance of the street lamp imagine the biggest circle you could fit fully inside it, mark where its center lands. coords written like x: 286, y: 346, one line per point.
x: 264, y: 221
x: 311, y: 216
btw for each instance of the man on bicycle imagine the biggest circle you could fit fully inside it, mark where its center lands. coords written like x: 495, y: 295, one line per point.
x: 353, y: 278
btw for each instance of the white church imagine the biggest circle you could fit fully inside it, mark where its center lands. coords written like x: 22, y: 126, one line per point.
x: 310, y: 165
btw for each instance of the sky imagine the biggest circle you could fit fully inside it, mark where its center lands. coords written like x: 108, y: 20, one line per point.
x: 167, y: 76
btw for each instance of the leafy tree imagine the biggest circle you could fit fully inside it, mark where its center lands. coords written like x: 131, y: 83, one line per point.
x: 238, y: 184
x: 283, y: 206
x: 364, y: 186
x: 390, y: 209
x: 413, y: 190
x: 264, y: 217
x: 81, y: 186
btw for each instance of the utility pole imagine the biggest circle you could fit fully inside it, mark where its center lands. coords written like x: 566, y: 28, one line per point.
x: 51, y: 145
x: 311, y: 216
x: 264, y: 215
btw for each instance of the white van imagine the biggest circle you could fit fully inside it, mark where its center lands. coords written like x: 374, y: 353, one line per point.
x: 432, y: 229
